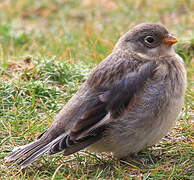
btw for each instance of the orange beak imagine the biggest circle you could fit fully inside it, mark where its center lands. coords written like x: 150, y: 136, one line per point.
x: 169, y: 39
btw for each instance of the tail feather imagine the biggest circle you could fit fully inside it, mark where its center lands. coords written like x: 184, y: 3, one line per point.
x: 30, y: 152
x: 31, y: 158
x: 23, y: 151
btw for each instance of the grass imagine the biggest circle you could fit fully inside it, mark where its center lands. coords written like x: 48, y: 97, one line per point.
x: 48, y: 48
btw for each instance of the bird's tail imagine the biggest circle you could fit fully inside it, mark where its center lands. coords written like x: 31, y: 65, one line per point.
x: 25, y: 155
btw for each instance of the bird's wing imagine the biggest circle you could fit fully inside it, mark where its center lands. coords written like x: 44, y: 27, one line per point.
x: 111, y: 102
x: 89, y: 128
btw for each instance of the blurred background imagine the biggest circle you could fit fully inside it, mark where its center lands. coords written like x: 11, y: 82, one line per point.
x: 83, y: 29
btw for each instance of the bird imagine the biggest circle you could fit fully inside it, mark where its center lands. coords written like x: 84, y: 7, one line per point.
x: 130, y: 100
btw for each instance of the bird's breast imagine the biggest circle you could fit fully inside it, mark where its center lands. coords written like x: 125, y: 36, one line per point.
x: 151, y: 113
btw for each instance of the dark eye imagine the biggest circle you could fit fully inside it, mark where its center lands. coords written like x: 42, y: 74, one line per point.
x: 149, y: 39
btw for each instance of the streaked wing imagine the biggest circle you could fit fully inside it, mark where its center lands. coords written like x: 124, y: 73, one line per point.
x: 113, y: 100
x: 91, y: 126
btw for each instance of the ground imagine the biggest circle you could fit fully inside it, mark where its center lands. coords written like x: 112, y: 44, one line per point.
x: 48, y: 48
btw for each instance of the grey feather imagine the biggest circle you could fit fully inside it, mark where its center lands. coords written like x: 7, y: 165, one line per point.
x: 32, y: 151
x: 136, y: 102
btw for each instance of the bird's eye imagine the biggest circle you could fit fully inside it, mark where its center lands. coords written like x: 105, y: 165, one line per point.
x: 149, y: 39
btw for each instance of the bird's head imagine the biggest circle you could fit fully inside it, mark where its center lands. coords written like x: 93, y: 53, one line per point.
x: 148, y: 41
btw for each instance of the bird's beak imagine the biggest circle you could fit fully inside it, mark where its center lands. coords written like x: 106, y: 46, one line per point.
x: 169, y: 39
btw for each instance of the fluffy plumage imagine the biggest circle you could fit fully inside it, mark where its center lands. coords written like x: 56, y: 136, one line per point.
x: 130, y: 100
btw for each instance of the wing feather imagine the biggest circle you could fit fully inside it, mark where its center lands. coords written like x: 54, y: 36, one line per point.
x: 92, y: 124
x: 112, y: 100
